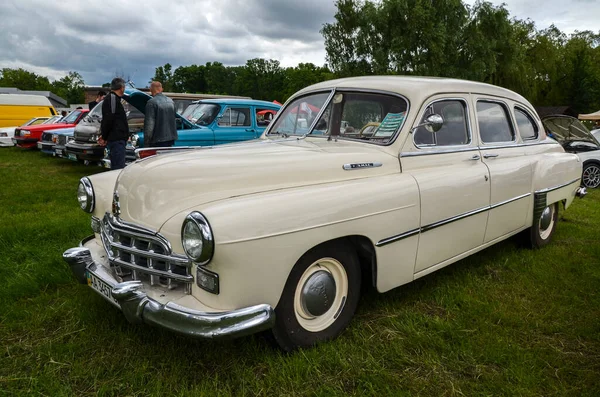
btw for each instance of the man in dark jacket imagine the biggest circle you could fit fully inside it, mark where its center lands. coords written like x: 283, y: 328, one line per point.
x: 160, y: 129
x: 114, y: 128
x: 100, y: 96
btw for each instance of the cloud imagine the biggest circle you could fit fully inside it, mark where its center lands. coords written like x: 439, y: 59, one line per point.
x: 98, y: 39
x: 101, y: 38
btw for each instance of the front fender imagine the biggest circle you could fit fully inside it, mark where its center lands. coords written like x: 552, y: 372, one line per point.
x: 259, y: 237
x: 104, y: 186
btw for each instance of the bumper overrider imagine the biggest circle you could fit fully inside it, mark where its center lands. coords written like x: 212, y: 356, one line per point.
x: 138, y: 307
x: 85, y: 151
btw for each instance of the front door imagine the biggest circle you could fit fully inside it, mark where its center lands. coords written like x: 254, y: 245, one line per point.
x: 510, y: 170
x: 453, y: 183
x: 235, y: 125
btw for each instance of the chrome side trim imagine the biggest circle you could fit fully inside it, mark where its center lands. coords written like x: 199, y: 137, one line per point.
x: 500, y: 204
x: 469, y: 149
x: 454, y: 219
x: 549, y: 189
x: 357, y: 166
x: 445, y: 151
x: 444, y: 222
x: 398, y: 237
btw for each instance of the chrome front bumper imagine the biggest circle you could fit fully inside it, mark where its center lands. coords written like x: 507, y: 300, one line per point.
x: 138, y: 307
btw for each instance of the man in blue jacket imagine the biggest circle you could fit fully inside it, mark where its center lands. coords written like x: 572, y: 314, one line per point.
x: 160, y: 129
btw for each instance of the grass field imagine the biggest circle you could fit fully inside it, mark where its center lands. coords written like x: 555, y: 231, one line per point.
x: 507, y: 321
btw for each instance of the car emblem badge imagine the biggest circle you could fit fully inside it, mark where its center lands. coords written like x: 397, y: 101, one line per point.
x: 116, y: 206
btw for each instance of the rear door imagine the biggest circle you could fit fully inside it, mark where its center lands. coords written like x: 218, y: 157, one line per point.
x: 510, y: 169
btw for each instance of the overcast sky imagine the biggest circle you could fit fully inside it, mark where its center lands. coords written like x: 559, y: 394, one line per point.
x: 102, y: 38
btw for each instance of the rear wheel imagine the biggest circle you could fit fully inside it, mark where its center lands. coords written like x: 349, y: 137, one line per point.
x: 543, y: 228
x: 591, y: 175
x: 319, y: 298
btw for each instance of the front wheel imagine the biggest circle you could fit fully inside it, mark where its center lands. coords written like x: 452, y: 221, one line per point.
x: 319, y: 298
x: 590, y: 177
x: 543, y: 228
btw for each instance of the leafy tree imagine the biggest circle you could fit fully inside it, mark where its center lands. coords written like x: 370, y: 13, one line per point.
x: 23, y: 80
x: 164, y: 75
x: 70, y: 87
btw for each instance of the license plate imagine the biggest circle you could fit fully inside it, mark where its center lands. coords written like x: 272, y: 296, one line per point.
x: 58, y: 151
x: 71, y: 156
x: 102, y: 287
x: 39, y: 145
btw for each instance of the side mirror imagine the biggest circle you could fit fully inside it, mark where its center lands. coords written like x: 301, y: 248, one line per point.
x: 433, y: 123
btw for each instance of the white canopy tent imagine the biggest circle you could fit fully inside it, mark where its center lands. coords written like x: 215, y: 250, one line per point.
x: 590, y: 116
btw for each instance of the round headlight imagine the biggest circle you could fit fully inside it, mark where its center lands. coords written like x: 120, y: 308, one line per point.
x: 85, y: 195
x: 197, y: 238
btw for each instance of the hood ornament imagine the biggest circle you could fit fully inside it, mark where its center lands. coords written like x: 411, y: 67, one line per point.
x: 116, y: 206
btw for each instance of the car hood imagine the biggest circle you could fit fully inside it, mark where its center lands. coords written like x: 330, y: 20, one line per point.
x: 8, y: 129
x: 46, y: 127
x: 567, y: 128
x: 64, y: 131
x: 153, y: 190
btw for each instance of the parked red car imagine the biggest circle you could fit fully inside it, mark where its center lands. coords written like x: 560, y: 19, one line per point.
x: 27, y: 137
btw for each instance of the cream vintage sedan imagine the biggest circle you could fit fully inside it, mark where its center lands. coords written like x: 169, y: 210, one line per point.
x: 279, y: 233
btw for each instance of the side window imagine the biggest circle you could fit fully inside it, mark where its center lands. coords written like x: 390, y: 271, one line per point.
x: 264, y: 116
x: 527, y: 127
x: 235, y: 117
x: 494, y: 123
x: 455, y: 130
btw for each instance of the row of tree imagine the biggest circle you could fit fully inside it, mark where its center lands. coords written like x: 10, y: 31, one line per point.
x: 482, y: 43
x: 410, y: 37
x: 70, y: 87
x: 258, y: 78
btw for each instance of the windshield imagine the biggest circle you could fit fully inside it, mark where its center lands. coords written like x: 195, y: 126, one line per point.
x: 72, y: 117
x: 52, y: 120
x: 201, y: 113
x: 366, y: 116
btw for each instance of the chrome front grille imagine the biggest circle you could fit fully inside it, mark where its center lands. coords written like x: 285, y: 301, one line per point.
x: 136, y: 253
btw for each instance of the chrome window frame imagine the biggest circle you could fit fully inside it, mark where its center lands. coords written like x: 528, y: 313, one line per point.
x: 531, y: 119
x: 511, y: 123
x: 458, y: 147
x: 327, y: 102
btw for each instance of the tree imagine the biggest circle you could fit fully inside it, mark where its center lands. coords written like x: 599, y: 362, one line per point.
x: 164, y: 75
x: 70, y: 87
x: 23, y: 80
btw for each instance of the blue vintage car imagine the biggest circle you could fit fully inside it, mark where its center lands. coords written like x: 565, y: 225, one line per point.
x: 53, y: 142
x: 208, y: 122
x: 221, y: 121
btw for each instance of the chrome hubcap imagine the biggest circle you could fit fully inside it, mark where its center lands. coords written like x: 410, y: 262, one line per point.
x: 546, y: 219
x: 318, y: 293
x: 321, y: 294
x: 591, y: 176
x: 546, y: 222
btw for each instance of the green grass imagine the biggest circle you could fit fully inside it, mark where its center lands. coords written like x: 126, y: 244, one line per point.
x: 507, y: 321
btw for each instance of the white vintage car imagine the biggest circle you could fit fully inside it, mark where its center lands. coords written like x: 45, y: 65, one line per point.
x: 279, y: 233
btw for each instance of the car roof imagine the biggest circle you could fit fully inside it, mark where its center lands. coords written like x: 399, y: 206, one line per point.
x: 234, y: 101
x: 416, y: 88
x: 22, y: 99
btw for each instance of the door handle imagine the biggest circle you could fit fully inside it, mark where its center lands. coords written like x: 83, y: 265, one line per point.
x: 489, y: 155
x: 250, y: 129
x: 475, y: 157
